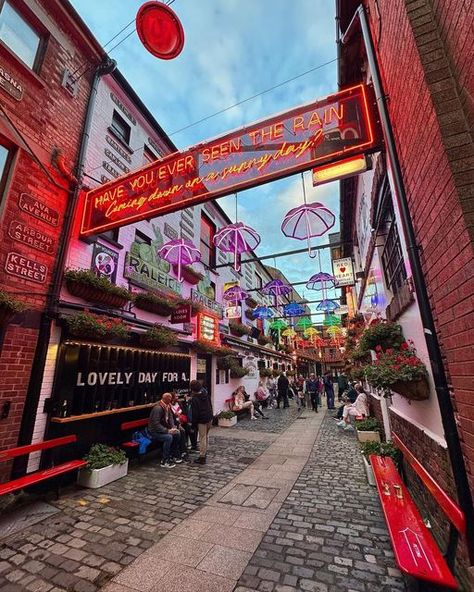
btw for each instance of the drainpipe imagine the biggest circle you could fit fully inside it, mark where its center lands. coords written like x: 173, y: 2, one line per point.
x: 107, y: 66
x: 439, y: 376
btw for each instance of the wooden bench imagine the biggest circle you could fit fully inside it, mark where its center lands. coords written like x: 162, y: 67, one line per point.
x: 44, y: 474
x: 416, y: 551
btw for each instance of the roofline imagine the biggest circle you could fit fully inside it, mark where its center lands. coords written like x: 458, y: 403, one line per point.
x: 68, y: 8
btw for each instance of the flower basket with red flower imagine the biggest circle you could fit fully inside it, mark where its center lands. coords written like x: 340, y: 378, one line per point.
x: 239, y: 329
x: 399, y: 370
x: 83, y: 283
x: 158, y: 336
x: 155, y: 304
x: 86, y: 325
x: 383, y: 334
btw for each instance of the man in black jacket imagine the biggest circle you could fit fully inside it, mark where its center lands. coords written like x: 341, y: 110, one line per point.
x: 283, y: 386
x: 201, y: 417
x: 162, y: 428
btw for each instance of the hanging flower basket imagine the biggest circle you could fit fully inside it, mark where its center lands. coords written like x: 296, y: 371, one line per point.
x: 84, y: 284
x: 264, y: 340
x: 155, y: 304
x: 238, y: 329
x: 195, y: 306
x: 91, y: 327
x: 158, y: 336
x: 251, y: 302
x: 9, y: 307
x: 189, y: 274
x: 415, y: 390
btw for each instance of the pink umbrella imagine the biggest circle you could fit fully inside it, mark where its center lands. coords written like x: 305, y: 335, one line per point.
x: 180, y: 251
x: 237, y: 238
x: 308, y: 221
x: 235, y: 294
x: 276, y: 288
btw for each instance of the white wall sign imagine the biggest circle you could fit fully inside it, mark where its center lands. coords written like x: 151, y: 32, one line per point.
x: 233, y: 312
x: 343, y: 271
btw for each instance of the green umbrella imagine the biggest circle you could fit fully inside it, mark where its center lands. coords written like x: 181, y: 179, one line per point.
x: 330, y: 320
x: 304, y: 323
x: 279, y: 324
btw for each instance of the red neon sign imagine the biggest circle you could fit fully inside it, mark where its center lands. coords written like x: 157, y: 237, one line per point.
x: 208, y: 328
x: 308, y: 136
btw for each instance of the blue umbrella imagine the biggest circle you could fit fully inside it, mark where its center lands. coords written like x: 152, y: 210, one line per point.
x: 263, y: 312
x: 327, y: 305
x: 293, y: 309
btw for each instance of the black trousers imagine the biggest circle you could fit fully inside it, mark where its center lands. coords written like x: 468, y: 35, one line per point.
x: 284, y: 397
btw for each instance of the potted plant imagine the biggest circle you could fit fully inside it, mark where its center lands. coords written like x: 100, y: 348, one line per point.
x: 239, y: 329
x: 158, y: 336
x: 189, y: 274
x: 400, y: 371
x: 368, y: 430
x: 104, y: 465
x: 264, y: 340
x: 86, y: 325
x: 265, y: 372
x: 379, y: 449
x: 83, y: 283
x: 238, y: 371
x: 154, y: 303
x: 226, y: 419
x: 9, y: 307
x: 227, y: 362
x: 383, y: 334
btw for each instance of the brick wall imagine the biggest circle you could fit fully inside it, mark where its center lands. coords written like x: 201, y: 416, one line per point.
x: 425, y: 56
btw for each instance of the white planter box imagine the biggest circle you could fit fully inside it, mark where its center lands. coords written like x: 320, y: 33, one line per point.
x: 227, y: 423
x: 368, y: 436
x: 369, y: 472
x: 100, y: 477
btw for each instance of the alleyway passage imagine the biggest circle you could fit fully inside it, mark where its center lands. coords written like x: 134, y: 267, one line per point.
x: 281, y: 505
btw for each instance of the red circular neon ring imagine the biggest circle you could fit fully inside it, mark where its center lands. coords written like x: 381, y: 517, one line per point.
x: 160, y: 30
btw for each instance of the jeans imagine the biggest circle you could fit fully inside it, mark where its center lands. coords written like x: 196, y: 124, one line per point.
x: 283, y: 396
x: 314, y: 401
x: 171, y: 444
x: 330, y: 398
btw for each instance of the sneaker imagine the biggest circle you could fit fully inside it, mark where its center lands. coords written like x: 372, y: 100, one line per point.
x: 341, y: 423
x: 349, y: 428
x: 201, y: 460
x: 167, y: 464
x: 177, y: 460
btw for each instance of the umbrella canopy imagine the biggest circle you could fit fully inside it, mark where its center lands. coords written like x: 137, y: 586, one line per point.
x: 235, y: 294
x: 276, y: 288
x: 333, y: 330
x: 180, y: 251
x: 237, y: 238
x: 304, y: 323
x: 331, y: 320
x: 279, y: 324
x: 321, y: 281
x: 308, y: 221
x: 289, y: 332
x: 263, y: 312
x: 311, y: 332
x: 293, y: 309
x: 327, y: 305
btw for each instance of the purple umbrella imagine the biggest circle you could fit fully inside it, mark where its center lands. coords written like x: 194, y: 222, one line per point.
x: 308, y: 221
x: 321, y: 281
x: 263, y: 312
x: 180, y: 251
x: 276, y: 288
x: 235, y: 294
x: 237, y: 238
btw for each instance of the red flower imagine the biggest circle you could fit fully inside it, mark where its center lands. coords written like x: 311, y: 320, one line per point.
x: 389, y: 351
x: 378, y: 348
x: 404, y: 346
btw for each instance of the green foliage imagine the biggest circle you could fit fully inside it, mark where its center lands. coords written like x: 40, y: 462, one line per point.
x: 380, y: 449
x: 158, y: 336
x: 370, y: 424
x: 226, y: 415
x: 86, y: 277
x: 238, y: 372
x: 101, y: 455
x: 209, y: 348
x: 392, y: 366
x: 266, y: 372
x: 227, y: 362
x: 154, y: 303
x: 91, y: 326
x: 239, y: 328
x: 10, y: 303
x: 383, y: 334
x: 195, y: 306
x: 264, y: 340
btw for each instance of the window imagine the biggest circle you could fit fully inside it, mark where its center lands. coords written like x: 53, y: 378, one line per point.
x: 5, y: 157
x: 120, y: 128
x: 258, y: 281
x: 19, y: 36
x: 112, y: 235
x: 148, y: 155
x: 208, y: 249
x: 142, y: 239
x: 392, y: 256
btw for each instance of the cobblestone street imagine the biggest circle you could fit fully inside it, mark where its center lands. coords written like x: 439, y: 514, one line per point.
x: 258, y: 516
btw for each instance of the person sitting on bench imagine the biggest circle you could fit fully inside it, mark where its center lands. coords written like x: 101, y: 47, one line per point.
x: 239, y: 403
x: 162, y: 428
x: 360, y: 408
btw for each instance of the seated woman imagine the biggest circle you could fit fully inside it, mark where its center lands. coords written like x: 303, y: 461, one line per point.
x: 261, y: 394
x: 239, y: 402
x: 359, y: 408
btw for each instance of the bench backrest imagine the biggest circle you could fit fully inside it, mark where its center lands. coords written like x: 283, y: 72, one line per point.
x: 452, y: 511
x: 22, y: 450
x: 130, y: 425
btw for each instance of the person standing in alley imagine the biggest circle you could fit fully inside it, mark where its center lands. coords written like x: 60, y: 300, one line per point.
x: 329, y: 388
x: 343, y: 384
x: 283, y: 387
x: 311, y: 388
x: 201, y: 414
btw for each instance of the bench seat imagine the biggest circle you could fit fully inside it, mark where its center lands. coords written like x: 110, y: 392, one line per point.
x: 39, y: 476
x: 416, y: 551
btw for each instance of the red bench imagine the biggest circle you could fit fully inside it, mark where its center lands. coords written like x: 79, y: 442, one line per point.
x: 416, y: 551
x: 132, y: 425
x: 44, y: 474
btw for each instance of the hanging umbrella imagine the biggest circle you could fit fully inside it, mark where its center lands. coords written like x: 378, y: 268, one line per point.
x: 278, y: 325
x: 311, y: 332
x: 289, y: 333
x: 308, y: 221
x: 331, y: 320
x: 276, y: 288
x: 263, y: 312
x: 235, y: 294
x: 304, y: 323
x: 327, y: 305
x: 318, y: 342
x: 237, y: 238
x: 179, y: 251
x: 334, y: 330
x: 293, y: 309
x: 321, y: 281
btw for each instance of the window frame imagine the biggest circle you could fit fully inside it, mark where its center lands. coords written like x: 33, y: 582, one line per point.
x: 394, y: 270
x: 5, y: 175
x: 116, y: 116
x: 32, y: 22
x: 212, y: 248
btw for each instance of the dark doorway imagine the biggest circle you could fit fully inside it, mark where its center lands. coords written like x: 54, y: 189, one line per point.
x: 203, y: 372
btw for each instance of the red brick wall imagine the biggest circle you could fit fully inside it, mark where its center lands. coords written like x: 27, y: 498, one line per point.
x: 48, y: 117
x: 425, y: 56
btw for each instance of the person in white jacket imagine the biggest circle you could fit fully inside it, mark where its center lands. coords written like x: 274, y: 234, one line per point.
x: 360, y: 408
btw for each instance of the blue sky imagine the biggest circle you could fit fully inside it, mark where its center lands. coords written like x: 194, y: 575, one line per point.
x: 235, y: 49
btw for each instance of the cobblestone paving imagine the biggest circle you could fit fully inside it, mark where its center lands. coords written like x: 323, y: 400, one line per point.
x: 329, y: 535
x: 99, y: 532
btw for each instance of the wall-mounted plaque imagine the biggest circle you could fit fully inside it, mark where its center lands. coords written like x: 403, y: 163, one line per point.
x: 31, y: 237
x: 33, y: 206
x: 25, y: 268
x: 10, y: 84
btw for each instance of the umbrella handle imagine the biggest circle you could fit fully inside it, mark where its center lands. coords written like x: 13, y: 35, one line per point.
x: 236, y: 261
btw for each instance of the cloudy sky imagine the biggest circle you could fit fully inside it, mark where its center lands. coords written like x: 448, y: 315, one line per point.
x: 235, y: 49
